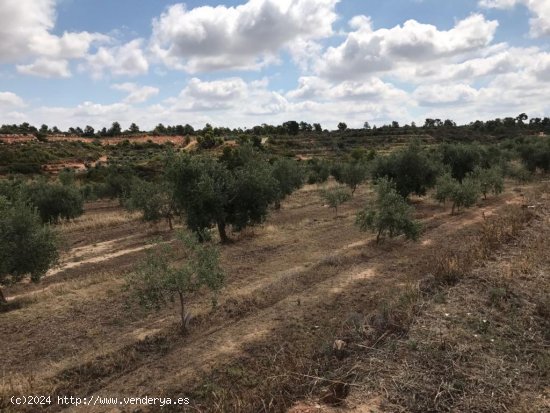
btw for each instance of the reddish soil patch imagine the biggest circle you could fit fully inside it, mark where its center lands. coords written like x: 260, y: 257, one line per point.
x: 176, y: 140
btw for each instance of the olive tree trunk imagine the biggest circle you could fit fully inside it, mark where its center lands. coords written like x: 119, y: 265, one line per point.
x: 223, y: 234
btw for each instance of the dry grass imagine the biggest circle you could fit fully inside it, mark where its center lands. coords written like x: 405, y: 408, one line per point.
x: 57, y: 295
x: 89, y: 222
x: 300, y: 360
x: 480, y: 340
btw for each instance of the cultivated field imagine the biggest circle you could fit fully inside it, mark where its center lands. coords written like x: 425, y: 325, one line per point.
x: 294, y: 285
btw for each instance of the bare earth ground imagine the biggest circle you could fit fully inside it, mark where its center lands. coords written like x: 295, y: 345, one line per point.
x: 290, y: 283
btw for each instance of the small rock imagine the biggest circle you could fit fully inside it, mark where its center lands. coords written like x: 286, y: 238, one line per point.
x: 338, y: 345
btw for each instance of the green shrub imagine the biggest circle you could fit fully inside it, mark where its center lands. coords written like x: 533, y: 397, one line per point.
x: 336, y: 197
x: 158, y: 281
x: 444, y: 187
x: 519, y: 172
x: 25, y: 168
x: 319, y: 171
x: 54, y: 201
x: 67, y: 177
x: 389, y: 214
x: 89, y: 191
x: 490, y: 180
x: 207, y: 141
x: 535, y: 154
x: 411, y: 169
x: 289, y: 175
x: 153, y: 199
x: 465, y: 194
x: 351, y: 174
x: 27, y: 248
x: 117, y: 182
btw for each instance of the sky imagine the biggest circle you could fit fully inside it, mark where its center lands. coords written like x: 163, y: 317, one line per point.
x: 244, y: 63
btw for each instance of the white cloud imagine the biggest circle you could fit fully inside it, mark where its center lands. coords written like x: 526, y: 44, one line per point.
x: 305, y: 53
x: 126, y: 60
x: 25, y: 27
x: 105, y: 112
x: 366, y: 51
x: 21, y: 22
x: 230, y: 94
x: 136, y: 93
x: 226, y: 89
x: 500, y: 4
x: 541, y: 69
x: 68, y: 46
x: 309, y: 87
x: 540, y: 24
x: 445, y: 94
x: 540, y: 9
x: 499, y: 60
x: 11, y: 100
x: 312, y: 87
x: 46, y: 68
x: 234, y: 102
x: 244, y: 37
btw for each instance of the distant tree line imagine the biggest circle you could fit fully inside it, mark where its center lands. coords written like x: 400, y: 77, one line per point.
x: 291, y: 128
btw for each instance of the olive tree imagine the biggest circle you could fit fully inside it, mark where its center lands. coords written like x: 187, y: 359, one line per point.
x: 351, y: 174
x: 389, y: 214
x: 67, y: 177
x: 116, y: 181
x: 27, y: 248
x: 202, y: 190
x: 444, y: 187
x: 209, y: 192
x: 411, y: 170
x: 336, y: 197
x: 255, y: 190
x: 490, y: 180
x: 319, y: 171
x: 158, y: 280
x: 460, y: 158
x: 153, y: 199
x: 535, y: 154
x: 289, y: 175
x: 465, y: 194
x: 54, y: 201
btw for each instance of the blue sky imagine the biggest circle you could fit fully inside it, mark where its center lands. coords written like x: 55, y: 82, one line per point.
x: 241, y: 63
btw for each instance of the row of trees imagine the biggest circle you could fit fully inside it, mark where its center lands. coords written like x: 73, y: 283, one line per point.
x: 239, y: 188
x: 413, y: 170
x: 465, y: 193
x: 292, y: 127
x: 458, y: 173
